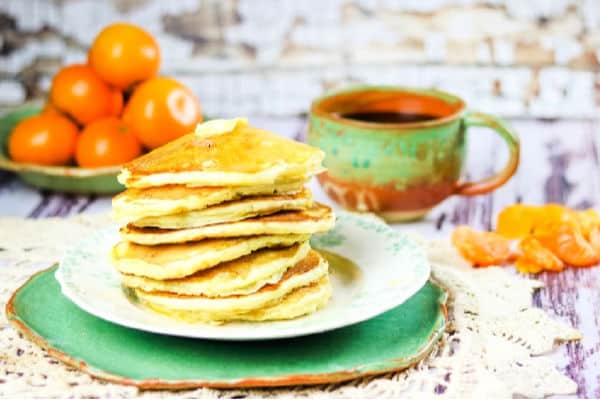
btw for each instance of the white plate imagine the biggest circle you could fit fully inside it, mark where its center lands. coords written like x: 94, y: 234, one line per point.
x: 387, y: 268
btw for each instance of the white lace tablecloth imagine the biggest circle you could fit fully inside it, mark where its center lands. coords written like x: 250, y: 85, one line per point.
x: 496, y: 344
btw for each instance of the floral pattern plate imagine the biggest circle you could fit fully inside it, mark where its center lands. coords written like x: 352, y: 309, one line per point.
x: 373, y: 269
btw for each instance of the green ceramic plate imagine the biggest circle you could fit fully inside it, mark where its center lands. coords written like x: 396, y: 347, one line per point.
x: 61, y: 179
x: 392, y: 341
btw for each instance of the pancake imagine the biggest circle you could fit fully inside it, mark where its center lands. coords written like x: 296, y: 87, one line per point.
x: 318, y: 218
x: 134, y: 204
x: 301, y: 301
x: 179, y: 260
x: 245, y: 156
x: 230, y: 211
x: 241, y: 276
x: 309, y: 270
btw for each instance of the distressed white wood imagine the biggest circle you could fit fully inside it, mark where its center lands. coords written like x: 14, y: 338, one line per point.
x: 18, y: 199
x: 272, y: 57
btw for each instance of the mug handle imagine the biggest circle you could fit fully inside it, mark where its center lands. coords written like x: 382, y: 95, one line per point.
x: 474, y: 118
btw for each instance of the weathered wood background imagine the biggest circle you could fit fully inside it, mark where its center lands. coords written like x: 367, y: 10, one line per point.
x: 560, y: 164
x: 271, y: 57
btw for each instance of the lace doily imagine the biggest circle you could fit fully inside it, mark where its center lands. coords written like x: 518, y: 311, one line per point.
x: 494, y: 346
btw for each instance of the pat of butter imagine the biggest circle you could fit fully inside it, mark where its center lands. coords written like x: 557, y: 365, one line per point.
x: 219, y: 127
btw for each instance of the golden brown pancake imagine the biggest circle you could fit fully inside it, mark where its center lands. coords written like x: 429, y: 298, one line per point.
x: 179, y: 260
x: 134, y: 204
x: 230, y: 211
x: 302, y: 301
x: 244, y: 157
x: 310, y: 270
x: 318, y: 218
x: 243, y: 275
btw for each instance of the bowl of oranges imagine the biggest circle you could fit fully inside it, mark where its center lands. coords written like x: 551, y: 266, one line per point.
x: 98, y: 115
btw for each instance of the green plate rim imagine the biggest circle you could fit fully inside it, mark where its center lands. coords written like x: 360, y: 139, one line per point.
x: 253, y: 382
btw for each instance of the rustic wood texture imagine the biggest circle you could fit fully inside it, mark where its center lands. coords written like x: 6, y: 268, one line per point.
x: 559, y: 164
x: 272, y: 57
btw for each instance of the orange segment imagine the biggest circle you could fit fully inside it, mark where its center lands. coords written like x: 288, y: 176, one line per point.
x: 481, y: 248
x: 533, y: 251
x: 564, y: 239
x: 588, y: 220
x: 594, y: 239
x: 527, y: 266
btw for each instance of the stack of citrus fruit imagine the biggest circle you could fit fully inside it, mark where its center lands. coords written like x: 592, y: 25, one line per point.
x: 105, y: 112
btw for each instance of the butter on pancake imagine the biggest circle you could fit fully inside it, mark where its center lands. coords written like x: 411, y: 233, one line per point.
x: 318, y: 218
x: 180, y: 260
x: 246, y: 156
x: 244, y: 275
x: 134, y: 204
x: 219, y: 127
x: 308, y: 271
x: 230, y: 211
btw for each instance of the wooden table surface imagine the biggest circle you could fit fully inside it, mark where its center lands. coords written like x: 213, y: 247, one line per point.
x: 559, y: 164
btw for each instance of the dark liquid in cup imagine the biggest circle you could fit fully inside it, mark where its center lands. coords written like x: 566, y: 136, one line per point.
x: 389, y: 117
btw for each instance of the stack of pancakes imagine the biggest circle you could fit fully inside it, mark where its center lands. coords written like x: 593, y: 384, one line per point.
x: 217, y: 226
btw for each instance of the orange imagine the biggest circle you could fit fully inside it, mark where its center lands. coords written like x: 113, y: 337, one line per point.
x: 77, y: 91
x: 49, y: 109
x: 106, y: 142
x: 43, y: 139
x: 123, y: 54
x: 115, y: 103
x: 160, y: 110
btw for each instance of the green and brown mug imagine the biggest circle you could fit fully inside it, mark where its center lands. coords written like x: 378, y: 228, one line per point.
x: 397, y: 151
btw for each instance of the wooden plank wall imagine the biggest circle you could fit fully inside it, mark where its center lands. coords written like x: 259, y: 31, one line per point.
x: 271, y: 57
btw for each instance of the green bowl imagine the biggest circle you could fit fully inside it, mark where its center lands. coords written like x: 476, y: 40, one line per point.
x: 55, y: 178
